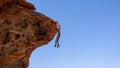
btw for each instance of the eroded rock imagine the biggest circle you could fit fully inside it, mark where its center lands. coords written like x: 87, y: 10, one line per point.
x: 21, y: 31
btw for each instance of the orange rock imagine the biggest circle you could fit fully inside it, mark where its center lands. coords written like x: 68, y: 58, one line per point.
x: 21, y: 31
x: 22, y: 3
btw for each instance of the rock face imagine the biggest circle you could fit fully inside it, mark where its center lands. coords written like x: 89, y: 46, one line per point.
x: 21, y: 31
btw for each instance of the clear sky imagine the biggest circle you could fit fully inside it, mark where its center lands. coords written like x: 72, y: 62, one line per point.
x: 90, y: 34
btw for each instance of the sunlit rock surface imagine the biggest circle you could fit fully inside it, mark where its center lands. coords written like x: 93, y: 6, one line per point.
x: 21, y: 31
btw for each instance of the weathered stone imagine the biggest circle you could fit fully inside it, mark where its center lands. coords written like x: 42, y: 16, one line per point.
x: 21, y: 31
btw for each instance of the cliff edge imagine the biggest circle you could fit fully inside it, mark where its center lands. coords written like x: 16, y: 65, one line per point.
x: 22, y: 30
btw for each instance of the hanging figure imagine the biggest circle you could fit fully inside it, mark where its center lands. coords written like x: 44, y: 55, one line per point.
x: 58, y: 35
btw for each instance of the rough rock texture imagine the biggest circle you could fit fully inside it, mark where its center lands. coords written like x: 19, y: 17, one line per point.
x: 21, y: 31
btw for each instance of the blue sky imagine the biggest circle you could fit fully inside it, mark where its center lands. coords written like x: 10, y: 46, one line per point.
x: 90, y: 34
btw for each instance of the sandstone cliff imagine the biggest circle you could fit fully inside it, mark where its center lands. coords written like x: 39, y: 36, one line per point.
x: 21, y: 31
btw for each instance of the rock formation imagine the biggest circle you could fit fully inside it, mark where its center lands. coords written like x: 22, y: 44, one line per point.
x: 22, y: 30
